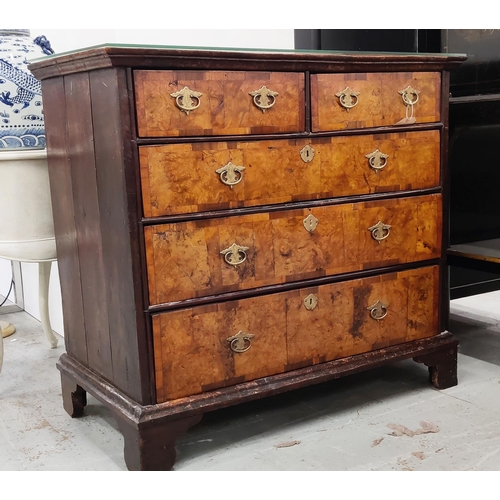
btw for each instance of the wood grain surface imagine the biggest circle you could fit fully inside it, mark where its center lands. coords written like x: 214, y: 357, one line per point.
x: 184, y: 260
x: 141, y: 218
x: 182, y: 178
x: 379, y: 101
x: 92, y: 188
x: 226, y: 107
x: 193, y: 355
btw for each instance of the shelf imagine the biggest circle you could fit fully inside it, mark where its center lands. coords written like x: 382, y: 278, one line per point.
x: 485, y: 250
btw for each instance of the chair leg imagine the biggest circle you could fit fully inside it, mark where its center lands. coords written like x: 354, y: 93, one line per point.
x: 43, y: 289
x: 1, y: 351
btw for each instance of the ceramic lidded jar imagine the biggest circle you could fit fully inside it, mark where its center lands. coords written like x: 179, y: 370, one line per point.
x: 21, y: 109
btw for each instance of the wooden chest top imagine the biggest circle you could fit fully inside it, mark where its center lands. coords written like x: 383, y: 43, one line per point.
x: 228, y: 59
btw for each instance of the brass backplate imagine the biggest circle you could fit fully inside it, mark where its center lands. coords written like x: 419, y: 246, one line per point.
x: 240, y: 342
x: 307, y: 153
x: 310, y: 302
x: 187, y: 100
x: 378, y: 310
x: 264, y: 98
x: 310, y: 223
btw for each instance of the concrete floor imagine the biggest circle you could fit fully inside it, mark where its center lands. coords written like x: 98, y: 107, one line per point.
x: 387, y: 419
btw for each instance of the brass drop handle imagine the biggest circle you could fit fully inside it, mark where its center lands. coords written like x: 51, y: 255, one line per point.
x: 409, y: 95
x: 348, y: 98
x: 378, y: 310
x: 380, y: 231
x: 235, y: 254
x: 264, y: 98
x: 230, y: 174
x: 187, y: 100
x: 240, y: 342
x: 377, y: 160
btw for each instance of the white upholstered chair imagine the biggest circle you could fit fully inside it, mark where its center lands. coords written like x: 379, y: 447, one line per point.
x: 27, y: 227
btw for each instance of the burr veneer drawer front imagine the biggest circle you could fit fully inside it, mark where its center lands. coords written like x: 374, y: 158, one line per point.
x: 359, y: 100
x: 207, y: 347
x: 199, y: 103
x: 186, y: 178
x: 207, y: 257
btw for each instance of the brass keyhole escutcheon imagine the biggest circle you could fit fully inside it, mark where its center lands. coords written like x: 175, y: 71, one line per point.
x: 380, y: 231
x: 264, y: 98
x: 187, y: 100
x: 310, y: 223
x: 307, y: 153
x: 377, y: 160
x: 230, y: 174
x: 235, y: 254
x: 240, y: 342
x: 378, y: 310
x: 348, y: 98
x: 409, y: 95
x: 310, y: 302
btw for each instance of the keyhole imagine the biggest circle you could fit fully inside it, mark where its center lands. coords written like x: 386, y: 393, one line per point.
x: 310, y: 302
x: 307, y: 153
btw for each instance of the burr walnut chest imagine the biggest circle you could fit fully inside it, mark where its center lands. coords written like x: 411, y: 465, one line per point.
x: 234, y: 224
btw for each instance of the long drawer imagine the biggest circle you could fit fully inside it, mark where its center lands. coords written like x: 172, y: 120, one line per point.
x: 198, y: 177
x: 189, y: 103
x: 212, y: 256
x: 208, y: 347
x: 358, y: 100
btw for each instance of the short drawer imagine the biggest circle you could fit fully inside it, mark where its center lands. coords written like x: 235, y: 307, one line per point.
x: 199, y: 177
x: 208, y: 257
x: 359, y: 100
x: 194, y: 103
x: 209, y: 347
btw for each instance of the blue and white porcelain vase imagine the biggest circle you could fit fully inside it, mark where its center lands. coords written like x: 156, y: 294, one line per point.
x: 21, y: 110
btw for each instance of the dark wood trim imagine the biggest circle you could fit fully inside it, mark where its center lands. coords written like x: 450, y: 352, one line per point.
x: 307, y: 102
x: 152, y: 448
x: 132, y: 124
x: 230, y: 59
x: 61, y: 182
x: 150, y: 141
x: 292, y: 285
x: 150, y: 432
x: 296, y: 205
x: 442, y: 367
x: 145, y: 357
x: 139, y: 415
x: 90, y: 228
x: 111, y: 162
x: 444, y: 311
x: 146, y: 348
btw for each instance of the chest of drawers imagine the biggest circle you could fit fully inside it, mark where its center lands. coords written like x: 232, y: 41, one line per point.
x: 235, y: 224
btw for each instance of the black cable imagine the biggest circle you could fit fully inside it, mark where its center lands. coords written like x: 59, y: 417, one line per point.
x: 8, y: 293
